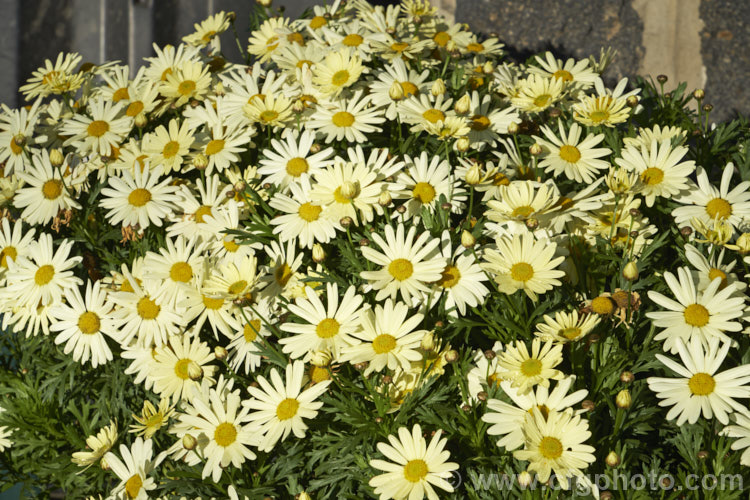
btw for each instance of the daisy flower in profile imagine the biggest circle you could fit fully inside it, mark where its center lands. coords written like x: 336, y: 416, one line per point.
x: 526, y: 369
x: 139, y: 199
x: 346, y: 119
x: 326, y: 328
x: 708, y: 270
x: 707, y: 203
x: 704, y: 315
x: 660, y: 169
x: 507, y: 420
x: 607, y: 107
x: 179, y: 365
x: 415, y: 469
x: 291, y: 159
x: 54, y: 78
x: 646, y: 136
x: 218, y: 417
x: 566, y: 326
x: 554, y: 443
x: 523, y: 263
x: 100, y: 133
x: 337, y: 71
x: 243, y: 351
x: 699, y: 389
x: 17, y: 141
x: 300, y: 218
x: 741, y: 430
x: 189, y: 82
x: 83, y: 324
x: 578, y: 159
x: 134, y: 469
x: 14, y: 244
x: 537, y: 93
x: 461, y: 280
x: 207, y: 31
x: 408, y: 265
x: 278, y: 407
x: 283, y: 269
x: 152, y: 418
x: 98, y: 445
x: 44, y: 276
x: 168, y: 147
x: 45, y: 192
x: 388, y: 338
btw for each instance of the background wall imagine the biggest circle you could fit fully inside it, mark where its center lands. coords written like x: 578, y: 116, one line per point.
x: 703, y: 42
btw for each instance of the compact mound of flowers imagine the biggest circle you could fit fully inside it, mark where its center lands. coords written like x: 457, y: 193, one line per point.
x: 375, y: 259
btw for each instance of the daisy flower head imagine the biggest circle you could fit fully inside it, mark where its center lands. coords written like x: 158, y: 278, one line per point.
x: 660, y: 169
x: 269, y: 111
x: 196, y: 205
x: 537, y: 93
x: 461, y: 280
x: 707, y: 270
x: 388, y: 338
x: 243, y: 349
x: 487, y: 121
x: 526, y: 369
x: 152, y: 418
x: 576, y: 74
x: 133, y: 470
x: 98, y: 444
x: 100, y: 133
x: 566, y: 326
x: 223, y: 147
x: 702, y: 315
x: 179, y: 264
x: 415, y: 468
x: 607, y: 107
x: 54, y: 78
x: 554, y: 443
x: 578, y: 159
x: 180, y: 365
x: 14, y: 244
x: 328, y: 327
x: 699, y: 389
x: 348, y: 119
x: 422, y: 110
x: 522, y: 262
x: 339, y: 69
x: 264, y: 41
x: 409, y: 81
x: 83, y: 323
x: 17, y: 137
x: 706, y: 203
x: 507, y: 420
x: 221, y: 427
x: 408, y: 265
x: 302, y: 219
x: 207, y: 31
x: 291, y: 159
x: 168, y: 147
x: 44, y: 276
x: 521, y: 201
x: 46, y: 192
x: 283, y: 273
x: 190, y: 82
x: 426, y: 181
x: 206, y: 304
x: 278, y: 408
x: 741, y: 430
x: 140, y: 198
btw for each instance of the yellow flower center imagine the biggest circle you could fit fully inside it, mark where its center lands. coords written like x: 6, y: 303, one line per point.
x: 399, y: 46
x: 213, y: 303
x: 599, y: 116
x: 522, y: 271
x: 318, y: 22
x: 450, y: 277
x: 522, y: 211
x: 170, y: 149
x: 327, y: 328
x: 714, y: 273
x: 571, y: 154
x: 550, y: 447
x: 155, y: 420
x: 500, y: 179
x: 352, y: 40
x: 283, y: 274
x: 531, y: 367
x: 433, y: 115
x: 479, y: 123
x: 415, y: 470
x: 319, y: 374
x: 718, y: 208
x: 186, y: 88
x: 44, y: 275
x: 340, y: 198
x: 602, y: 305
x: 230, y: 246
x: 296, y: 167
x: 97, y: 128
x: 202, y: 212
x: 250, y: 332
x: 133, y: 485
x: 542, y: 100
x: 215, y: 146
x: 400, y: 269
x: 181, y: 271
x: 15, y: 147
x: 542, y: 409
x: 563, y: 75
x: 384, y: 343
x: 120, y: 94
x: 181, y: 368
x: 147, y: 308
x: 696, y: 315
x: 52, y: 189
x: 343, y: 119
x: 475, y: 47
x: 652, y: 176
x: 302, y: 62
x: 309, y: 212
x: 423, y: 192
x: 89, y: 323
x: 701, y: 384
x: 340, y: 78
x: 570, y: 333
x: 268, y: 116
x: 409, y: 89
x: 139, y: 197
x: 225, y: 434
x: 441, y: 38
x: 287, y: 409
x: 237, y: 287
x: 8, y: 253
x: 134, y: 108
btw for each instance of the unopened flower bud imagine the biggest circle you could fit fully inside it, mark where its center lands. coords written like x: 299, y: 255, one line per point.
x: 612, y: 459
x: 686, y: 230
x: 19, y: 140
x: 360, y: 367
x: 385, y: 199
x: 315, y: 148
x: 524, y: 479
x: 451, y: 356
x: 304, y: 496
x: 439, y: 323
x: 221, y: 353
x: 140, y: 120
x: 428, y: 341
x: 396, y: 92
x: 264, y: 3
x: 707, y: 108
x: 364, y: 242
x: 467, y: 239
x: 532, y: 223
x: 627, y: 377
x: 702, y: 455
x: 194, y: 370
x: 482, y: 396
x: 535, y: 149
x: 606, y: 495
x: 474, y: 175
x: 632, y: 101
x: 318, y: 254
x: 512, y: 128
x: 463, y: 143
x: 463, y: 105
x: 200, y: 161
x: 554, y: 112
x: 438, y: 88
x: 348, y: 190
x: 490, y: 354
x: 630, y: 272
x: 662, y: 78
x: 743, y: 243
x: 387, y: 379
x: 189, y: 442
x: 401, y: 209
x: 587, y: 405
x: 466, y: 408
x: 623, y: 399
x: 446, y: 206
x: 488, y: 68
x: 104, y: 464
x: 56, y: 157
x: 320, y: 358
x: 699, y: 94
x: 346, y: 221
x: 298, y: 106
